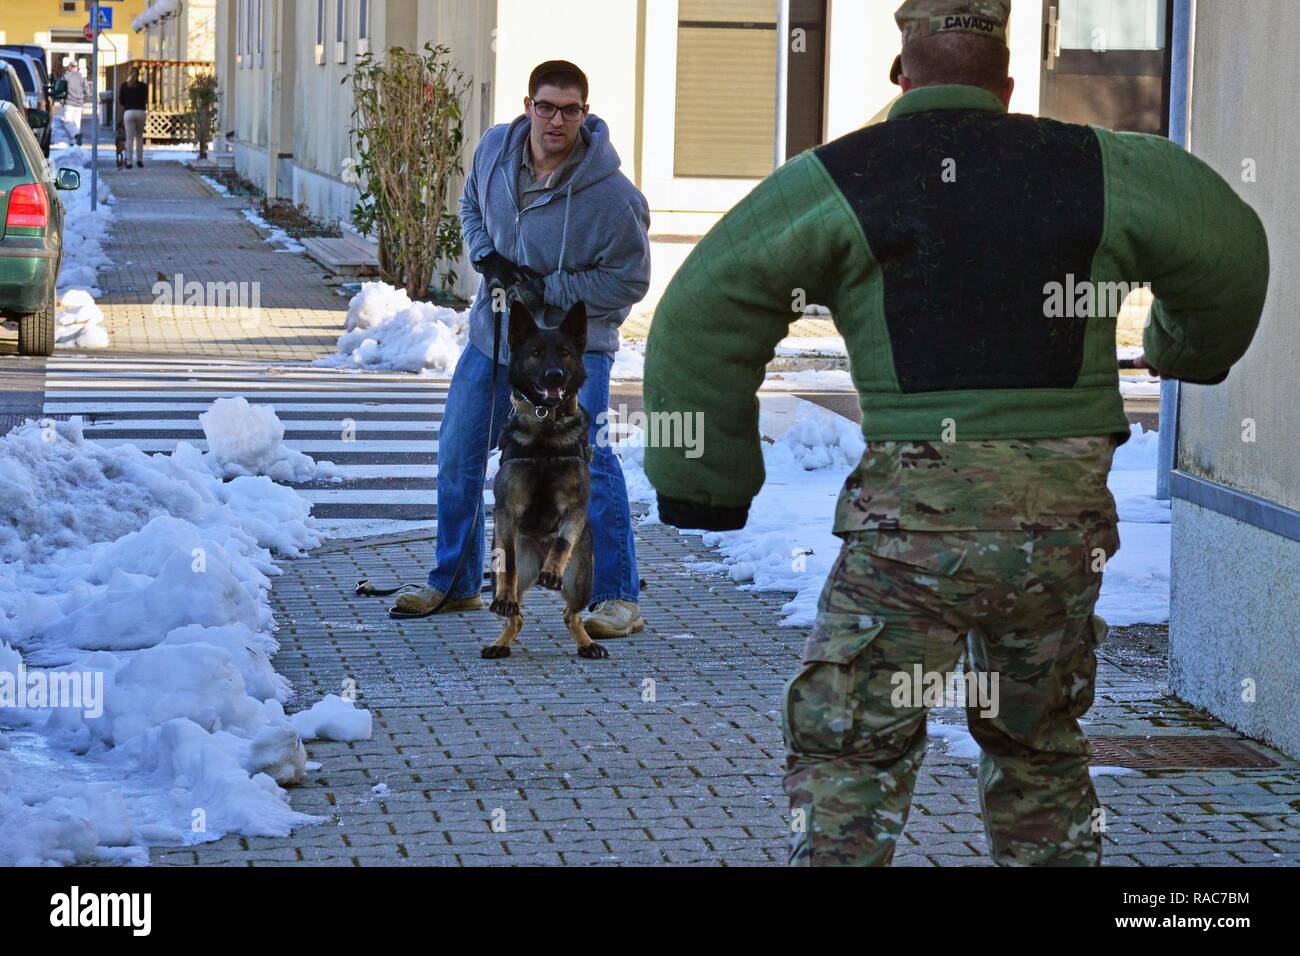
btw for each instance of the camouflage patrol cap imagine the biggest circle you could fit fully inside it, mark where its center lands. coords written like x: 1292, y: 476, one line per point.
x: 924, y: 18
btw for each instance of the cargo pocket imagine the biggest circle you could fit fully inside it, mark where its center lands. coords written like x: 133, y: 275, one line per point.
x: 1079, y: 677
x: 817, y: 712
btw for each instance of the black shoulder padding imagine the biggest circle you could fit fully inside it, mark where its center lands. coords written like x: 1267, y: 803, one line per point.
x: 970, y: 213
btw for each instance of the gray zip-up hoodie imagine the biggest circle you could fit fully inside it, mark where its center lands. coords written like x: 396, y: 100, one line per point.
x: 590, y: 237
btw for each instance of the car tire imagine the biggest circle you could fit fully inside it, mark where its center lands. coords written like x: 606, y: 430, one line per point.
x: 36, y: 331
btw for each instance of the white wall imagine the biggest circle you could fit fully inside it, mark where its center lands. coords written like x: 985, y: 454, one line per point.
x: 601, y: 38
x: 1235, y: 612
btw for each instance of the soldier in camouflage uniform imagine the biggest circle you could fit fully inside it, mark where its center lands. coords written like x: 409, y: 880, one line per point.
x: 978, y: 519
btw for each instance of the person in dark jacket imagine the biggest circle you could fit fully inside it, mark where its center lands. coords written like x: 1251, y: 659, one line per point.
x: 134, y: 99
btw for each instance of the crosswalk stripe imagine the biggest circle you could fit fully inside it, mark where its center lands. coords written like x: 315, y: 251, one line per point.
x: 311, y: 447
x: 389, y: 469
x: 180, y: 386
x: 371, y: 473
x: 365, y: 527
x: 59, y: 406
x: 61, y: 392
x: 291, y: 425
x: 418, y: 496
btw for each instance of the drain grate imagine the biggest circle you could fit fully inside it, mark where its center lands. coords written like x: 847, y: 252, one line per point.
x: 1177, y: 752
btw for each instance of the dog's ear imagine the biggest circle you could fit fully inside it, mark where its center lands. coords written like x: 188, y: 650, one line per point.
x: 575, y: 325
x: 522, y: 326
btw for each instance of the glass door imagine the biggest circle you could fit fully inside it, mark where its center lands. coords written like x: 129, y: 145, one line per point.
x: 1106, y: 62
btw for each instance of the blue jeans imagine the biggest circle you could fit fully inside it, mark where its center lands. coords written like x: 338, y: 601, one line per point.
x: 462, y: 455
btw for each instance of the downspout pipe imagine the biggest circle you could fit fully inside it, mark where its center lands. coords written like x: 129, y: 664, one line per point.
x: 1180, y: 85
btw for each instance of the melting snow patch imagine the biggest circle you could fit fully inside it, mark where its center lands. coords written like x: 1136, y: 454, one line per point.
x: 333, y: 719
x: 277, y: 235
x: 959, y: 741
x: 79, y: 322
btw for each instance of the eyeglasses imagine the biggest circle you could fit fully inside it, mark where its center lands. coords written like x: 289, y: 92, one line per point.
x: 547, y: 110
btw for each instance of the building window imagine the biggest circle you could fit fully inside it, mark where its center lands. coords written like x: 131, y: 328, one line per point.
x: 240, y: 13
x: 320, y: 31
x: 260, y: 28
x: 363, y: 26
x: 68, y: 6
x: 340, y: 30
x: 726, y: 85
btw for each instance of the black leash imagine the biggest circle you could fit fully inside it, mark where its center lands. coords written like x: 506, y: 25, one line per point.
x: 365, y: 588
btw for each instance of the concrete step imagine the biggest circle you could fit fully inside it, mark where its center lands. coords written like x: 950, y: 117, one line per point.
x: 344, y: 256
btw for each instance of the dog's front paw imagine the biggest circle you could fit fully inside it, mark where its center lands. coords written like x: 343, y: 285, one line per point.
x: 494, y: 652
x: 549, y: 581
x: 593, y: 651
x: 504, y: 607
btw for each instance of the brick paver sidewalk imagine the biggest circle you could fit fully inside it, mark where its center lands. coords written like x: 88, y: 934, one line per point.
x: 544, y: 758
x: 168, y: 222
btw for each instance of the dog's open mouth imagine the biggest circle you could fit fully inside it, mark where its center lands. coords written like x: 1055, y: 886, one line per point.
x: 552, y: 396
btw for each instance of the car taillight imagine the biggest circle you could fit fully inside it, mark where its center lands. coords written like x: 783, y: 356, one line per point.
x: 28, y: 206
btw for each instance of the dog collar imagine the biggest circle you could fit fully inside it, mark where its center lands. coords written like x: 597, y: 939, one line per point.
x: 541, y: 411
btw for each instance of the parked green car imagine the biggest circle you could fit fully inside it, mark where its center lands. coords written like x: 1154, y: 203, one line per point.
x: 31, y: 229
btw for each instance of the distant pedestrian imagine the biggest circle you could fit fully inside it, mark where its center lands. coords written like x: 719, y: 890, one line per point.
x: 73, y: 93
x: 134, y: 99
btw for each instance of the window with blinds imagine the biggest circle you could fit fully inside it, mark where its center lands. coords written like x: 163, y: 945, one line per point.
x: 726, y: 79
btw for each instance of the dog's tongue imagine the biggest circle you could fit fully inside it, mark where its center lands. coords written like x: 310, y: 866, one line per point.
x: 555, y: 393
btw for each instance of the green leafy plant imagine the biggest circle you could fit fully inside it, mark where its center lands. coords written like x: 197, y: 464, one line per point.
x: 407, y: 133
x: 203, y: 109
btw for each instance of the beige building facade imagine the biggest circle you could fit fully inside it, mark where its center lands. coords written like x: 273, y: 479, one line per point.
x: 688, y: 87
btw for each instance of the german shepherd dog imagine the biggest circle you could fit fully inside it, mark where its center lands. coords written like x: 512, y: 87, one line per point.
x: 544, y: 482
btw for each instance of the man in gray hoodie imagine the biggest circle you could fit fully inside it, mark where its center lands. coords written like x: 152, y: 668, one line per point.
x: 546, y: 213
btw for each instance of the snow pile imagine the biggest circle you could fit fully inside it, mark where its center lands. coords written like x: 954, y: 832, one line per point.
x: 377, y: 302
x: 817, y: 440
x: 787, y: 545
x: 84, y: 232
x: 386, y: 331
x: 245, y: 439
x: 1135, y: 589
x: 139, y: 586
x: 277, y: 235
x: 79, y: 322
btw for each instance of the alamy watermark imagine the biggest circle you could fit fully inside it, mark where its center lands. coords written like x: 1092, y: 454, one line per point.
x: 42, y: 689
x: 1074, y: 299
x: 179, y: 299
x: 922, y: 688
x: 661, y: 429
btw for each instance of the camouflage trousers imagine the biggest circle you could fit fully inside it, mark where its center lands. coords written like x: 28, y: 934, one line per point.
x: 908, y: 603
